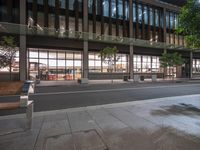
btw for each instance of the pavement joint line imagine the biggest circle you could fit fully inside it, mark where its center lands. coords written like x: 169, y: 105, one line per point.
x: 110, y: 90
x: 107, y: 106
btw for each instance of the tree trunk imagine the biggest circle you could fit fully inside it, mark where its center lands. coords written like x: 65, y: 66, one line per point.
x: 10, y: 71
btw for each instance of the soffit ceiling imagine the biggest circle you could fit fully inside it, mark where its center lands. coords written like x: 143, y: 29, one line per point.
x: 175, y: 2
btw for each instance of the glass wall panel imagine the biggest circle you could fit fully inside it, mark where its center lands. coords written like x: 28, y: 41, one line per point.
x: 134, y: 12
x: 43, y: 69
x: 145, y: 13
x: 95, y: 63
x: 52, y: 54
x: 61, y: 55
x: 62, y: 23
x: 106, y: 8
x: 140, y: 13
x: 90, y: 4
x: 71, y: 4
x: 51, y: 20
x: 126, y: 10
x: 196, y: 65
x: 77, y: 69
x: 120, y: 9
x: 43, y: 54
x: 61, y: 69
x: 151, y: 17
x: 40, y: 2
x: 40, y: 19
x: 146, y: 64
x: 51, y: 3
x: 157, y: 17
x: 171, y: 20
x: 62, y: 4
x: 167, y: 19
x: 49, y: 64
x: 113, y: 7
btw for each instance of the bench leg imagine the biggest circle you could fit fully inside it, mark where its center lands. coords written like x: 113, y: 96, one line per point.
x: 29, y: 112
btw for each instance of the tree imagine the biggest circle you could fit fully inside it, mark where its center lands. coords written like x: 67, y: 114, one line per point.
x: 108, y: 56
x: 7, y: 52
x: 189, y: 23
x: 171, y: 60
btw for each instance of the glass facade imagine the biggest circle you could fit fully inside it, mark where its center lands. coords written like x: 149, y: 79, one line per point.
x: 196, y: 66
x: 49, y: 64
x: 97, y: 65
x: 146, y: 64
x: 147, y: 19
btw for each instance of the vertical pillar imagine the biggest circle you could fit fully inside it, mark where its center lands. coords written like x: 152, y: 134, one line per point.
x: 164, y: 38
x: 191, y: 63
x: 164, y: 29
x: 131, y: 36
x: 85, y: 43
x: 22, y: 46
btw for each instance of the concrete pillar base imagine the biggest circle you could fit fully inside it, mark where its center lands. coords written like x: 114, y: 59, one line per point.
x: 136, y: 78
x: 83, y: 81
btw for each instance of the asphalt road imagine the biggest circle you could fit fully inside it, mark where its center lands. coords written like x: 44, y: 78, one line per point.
x: 62, y: 97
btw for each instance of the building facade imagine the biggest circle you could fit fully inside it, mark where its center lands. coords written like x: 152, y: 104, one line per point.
x: 61, y: 39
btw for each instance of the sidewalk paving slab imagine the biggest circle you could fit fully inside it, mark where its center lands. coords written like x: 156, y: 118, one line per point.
x: 167, y: 123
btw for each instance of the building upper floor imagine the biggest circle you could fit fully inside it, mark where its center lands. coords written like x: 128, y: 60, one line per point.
x: 151, y: 19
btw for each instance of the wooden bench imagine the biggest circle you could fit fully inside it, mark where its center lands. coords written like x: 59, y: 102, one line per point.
x: 16, y: 105
x: 24, y: 102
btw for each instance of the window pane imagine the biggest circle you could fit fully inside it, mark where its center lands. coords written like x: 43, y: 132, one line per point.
x: 42, y: 54
x: 52, y: 55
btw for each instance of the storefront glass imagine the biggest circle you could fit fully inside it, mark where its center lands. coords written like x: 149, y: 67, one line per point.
x: 48, y: 64
x: 146, y: 64
x: 97, y: 65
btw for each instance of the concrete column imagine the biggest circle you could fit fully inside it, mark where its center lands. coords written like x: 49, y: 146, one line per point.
x: 85, y: 42
x: 164, y: 30
x: 131, y: 36
x: 22, y: 45
x: 131, y: 61
x: 85, y: 59
x: 191, y: 63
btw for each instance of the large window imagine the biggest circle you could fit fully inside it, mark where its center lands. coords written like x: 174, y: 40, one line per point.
x: 146, y: 64
x: 51, y: 3
x: 48, y: 64
x: 106, y: 8
x: 145, y: 13
x: 140, y: 13
x: 97, y: 65
x: 196, y: 65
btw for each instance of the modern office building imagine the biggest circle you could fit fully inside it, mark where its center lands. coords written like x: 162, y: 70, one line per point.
x: 61, y: 39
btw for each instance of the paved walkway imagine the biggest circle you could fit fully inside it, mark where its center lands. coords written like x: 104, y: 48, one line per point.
x: 171, y: 123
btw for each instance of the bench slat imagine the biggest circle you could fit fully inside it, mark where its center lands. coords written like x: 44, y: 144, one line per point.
x: 9, y: 105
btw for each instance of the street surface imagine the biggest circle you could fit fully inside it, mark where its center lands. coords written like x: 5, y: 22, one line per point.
x: 62, y: 97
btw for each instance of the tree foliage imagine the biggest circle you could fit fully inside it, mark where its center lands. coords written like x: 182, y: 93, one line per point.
x: 189, y: 23
x: 171, y: 60
x: 7, y: 52
x: 108, y: 55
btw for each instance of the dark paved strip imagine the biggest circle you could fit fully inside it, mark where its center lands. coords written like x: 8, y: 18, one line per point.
x: 71, y: 100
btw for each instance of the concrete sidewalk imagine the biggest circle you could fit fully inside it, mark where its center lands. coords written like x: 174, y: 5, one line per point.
x: 159, y: 124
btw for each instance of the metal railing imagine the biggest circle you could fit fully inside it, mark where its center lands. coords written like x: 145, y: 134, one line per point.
x: 70, y: 34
